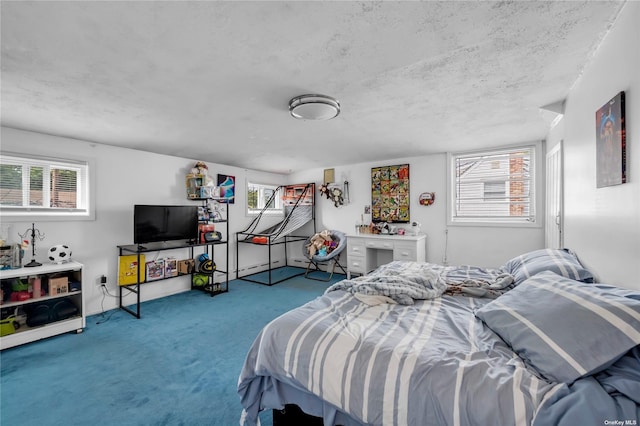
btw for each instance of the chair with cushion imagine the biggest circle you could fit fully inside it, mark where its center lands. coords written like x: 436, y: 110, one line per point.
x: 332, y: 257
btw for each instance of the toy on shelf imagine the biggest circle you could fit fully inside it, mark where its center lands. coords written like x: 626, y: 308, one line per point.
x: 200, y: 184
x: 60, y: 253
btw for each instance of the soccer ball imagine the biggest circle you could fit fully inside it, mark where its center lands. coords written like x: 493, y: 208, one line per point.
x: 60, y: 253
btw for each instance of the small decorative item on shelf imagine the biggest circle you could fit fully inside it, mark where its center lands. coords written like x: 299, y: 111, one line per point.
x: 35, y: 233
x: 199, y: 183
x: 186, y: 266
x: 170, y: 267
x: 155, y: 270
x: 194, y: 182
x: 363, y: 228
x: 36, y: 286
x: 203, y: 229
x: 415, y: 228
x: 60, y: 253
x: 215, y: 211
x: 19, y: 291
x: 210, y: 237
x: 203, y: 214
x: 10, y: 256
x: 200, y: 168
x: 58, y: 285
x: 209, y: 192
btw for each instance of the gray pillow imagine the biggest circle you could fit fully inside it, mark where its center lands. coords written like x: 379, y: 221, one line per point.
x: 565, y: 329
x: 561, y: 261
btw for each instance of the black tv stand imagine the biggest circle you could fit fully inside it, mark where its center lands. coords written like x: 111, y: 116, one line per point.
x: 213, y: 287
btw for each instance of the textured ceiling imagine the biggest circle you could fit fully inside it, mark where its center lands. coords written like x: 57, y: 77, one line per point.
x: 212, y: 80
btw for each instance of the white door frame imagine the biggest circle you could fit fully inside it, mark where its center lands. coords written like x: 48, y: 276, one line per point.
x: 554, y: 207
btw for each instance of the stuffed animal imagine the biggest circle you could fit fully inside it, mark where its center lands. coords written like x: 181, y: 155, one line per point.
x: 324, y: 190
x: 332, y: 193
x: 317, y: 242
x: 336, y: 197
x: 200, y: 168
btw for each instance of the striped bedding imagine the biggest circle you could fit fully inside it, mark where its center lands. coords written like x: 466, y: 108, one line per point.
x: 429, y: 363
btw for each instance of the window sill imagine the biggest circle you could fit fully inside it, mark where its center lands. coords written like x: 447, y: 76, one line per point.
x: 266, y: 213
x: 493, y: 224
x: 45, y: 217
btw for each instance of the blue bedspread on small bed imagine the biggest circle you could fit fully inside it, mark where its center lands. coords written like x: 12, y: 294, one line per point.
x: 432, y: 362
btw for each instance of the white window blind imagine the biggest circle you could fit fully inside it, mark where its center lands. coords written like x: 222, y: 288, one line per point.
x: 41, y: 186
x: 494, y: 186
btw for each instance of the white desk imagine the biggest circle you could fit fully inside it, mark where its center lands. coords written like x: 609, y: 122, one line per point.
x: 365, y: 252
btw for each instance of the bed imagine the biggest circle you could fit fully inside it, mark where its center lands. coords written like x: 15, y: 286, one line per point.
x: 535, y: 341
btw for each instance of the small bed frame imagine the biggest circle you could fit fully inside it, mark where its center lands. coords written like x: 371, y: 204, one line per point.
x: 292, y: 415
x: 299, y: 208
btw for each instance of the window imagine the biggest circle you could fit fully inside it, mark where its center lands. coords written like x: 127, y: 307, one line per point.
x: 43, y: 187
x: 496, y: 187
x: 260, y: 195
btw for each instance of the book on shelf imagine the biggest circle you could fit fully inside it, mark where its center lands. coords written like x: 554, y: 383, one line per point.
x: 128, y: 269
x: 170, y: 267
x: 155, y: 270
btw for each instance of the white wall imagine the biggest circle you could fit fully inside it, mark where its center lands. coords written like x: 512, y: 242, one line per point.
x: 603, y: 224
x: 482, y: 246
x: 123, y: 177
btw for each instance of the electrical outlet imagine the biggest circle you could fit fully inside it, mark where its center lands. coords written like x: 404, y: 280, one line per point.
x: 101, y: 281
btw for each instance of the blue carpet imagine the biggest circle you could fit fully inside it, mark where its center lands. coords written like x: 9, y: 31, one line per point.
x: 178, y: 365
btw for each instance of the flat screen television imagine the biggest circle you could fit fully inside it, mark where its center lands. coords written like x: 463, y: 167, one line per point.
x: 164, y: 223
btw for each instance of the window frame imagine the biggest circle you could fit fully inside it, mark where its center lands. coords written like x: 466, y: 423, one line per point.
x: 85, y: 190
x: 537, y: 192
x: 277, y: 211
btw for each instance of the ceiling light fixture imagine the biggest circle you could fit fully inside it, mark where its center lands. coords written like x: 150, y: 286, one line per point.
x: 314, y: 107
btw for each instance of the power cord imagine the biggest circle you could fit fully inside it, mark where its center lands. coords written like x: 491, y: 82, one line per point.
x: 105, y: 293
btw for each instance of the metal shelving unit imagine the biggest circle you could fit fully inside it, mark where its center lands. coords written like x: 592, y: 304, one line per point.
x: 213, y: 287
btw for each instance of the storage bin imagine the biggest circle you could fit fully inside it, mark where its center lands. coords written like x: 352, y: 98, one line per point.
x: 58, y: 285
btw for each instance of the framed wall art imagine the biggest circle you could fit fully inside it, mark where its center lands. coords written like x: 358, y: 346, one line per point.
x: 227, y: 185
x: 390, y: 194
x: 329, y: 175
x: 611, y: 159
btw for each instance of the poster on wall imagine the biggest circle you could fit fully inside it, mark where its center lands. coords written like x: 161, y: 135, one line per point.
x: 611, y: 161
x: 227, y: 185
x: 390, y: 194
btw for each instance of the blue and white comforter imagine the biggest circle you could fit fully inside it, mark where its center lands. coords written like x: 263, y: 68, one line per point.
x: 432, y: 362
